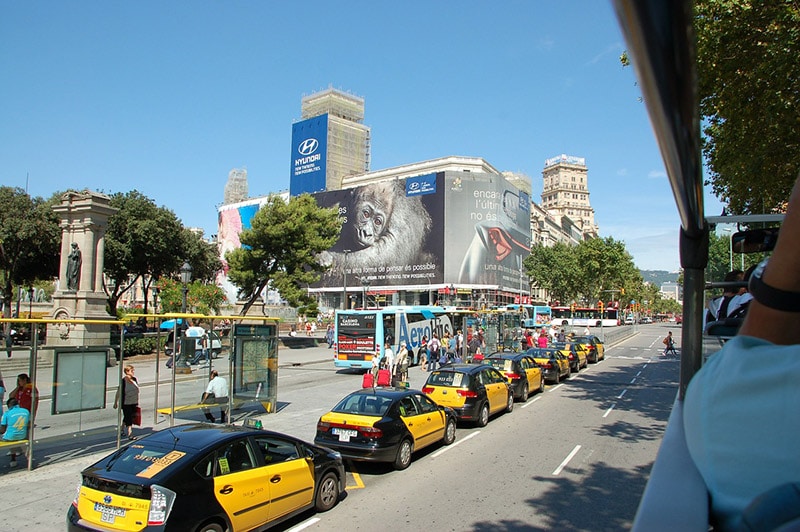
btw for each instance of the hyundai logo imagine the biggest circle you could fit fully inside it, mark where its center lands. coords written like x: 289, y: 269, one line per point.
x: 308, y: 146
x: 107, y: 499
x: 414, y: 186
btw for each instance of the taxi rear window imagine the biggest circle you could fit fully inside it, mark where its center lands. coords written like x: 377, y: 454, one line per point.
x: 369, y: 405
x: 449, y: 378
x: 503, y: 364
x: 144, y: 461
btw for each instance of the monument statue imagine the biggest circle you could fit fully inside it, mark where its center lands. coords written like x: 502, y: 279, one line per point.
x: 73, y: 267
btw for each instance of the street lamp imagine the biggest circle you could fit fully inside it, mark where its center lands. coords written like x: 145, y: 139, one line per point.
x: 181, y: 364
x: 31, y: 292
x: 155, y: 305
x: 365, y: 287
x: 344, y: 279
x: 730, y: 241
x: 453, y: 295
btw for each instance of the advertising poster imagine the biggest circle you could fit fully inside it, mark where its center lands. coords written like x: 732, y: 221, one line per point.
x: 392, y: 234
x: 487, y: 230
x: 309, y: 155
x: 231, y: 221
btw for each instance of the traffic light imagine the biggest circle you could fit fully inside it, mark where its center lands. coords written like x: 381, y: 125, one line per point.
x: 572, y: 307
x: 600, y: 306
x: 622, y: 291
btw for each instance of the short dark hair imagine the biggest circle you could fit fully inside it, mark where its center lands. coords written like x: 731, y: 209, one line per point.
x: 12, y: 402
x: 213, y: 373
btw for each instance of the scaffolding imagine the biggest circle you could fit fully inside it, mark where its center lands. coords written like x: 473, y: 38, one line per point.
x: 236, y: 188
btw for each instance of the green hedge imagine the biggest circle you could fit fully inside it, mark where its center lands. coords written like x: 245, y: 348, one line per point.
x: 140, y: 346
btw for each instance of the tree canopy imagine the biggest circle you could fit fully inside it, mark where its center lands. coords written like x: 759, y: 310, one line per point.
x: 280, y: 249
x: 749, y: 85
x: 30, y: 240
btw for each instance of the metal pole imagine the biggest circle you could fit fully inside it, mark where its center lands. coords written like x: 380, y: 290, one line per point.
x: 730, y: 241
x: 158, y: 368
x: 34, y: 392
x: 345, y: 306
x: 121, y: 398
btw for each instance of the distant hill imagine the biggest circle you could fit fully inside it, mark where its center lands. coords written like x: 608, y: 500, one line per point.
x: 659, y: 277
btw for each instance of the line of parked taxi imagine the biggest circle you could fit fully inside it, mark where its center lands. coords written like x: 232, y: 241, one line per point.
x: 215, y: 478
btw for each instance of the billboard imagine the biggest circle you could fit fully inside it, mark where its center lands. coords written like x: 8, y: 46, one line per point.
x: 392, y: 234
x: 487, y: 230
x: 309, y: 155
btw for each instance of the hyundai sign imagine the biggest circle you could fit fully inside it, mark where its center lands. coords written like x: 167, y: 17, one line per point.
x: 309, y: 155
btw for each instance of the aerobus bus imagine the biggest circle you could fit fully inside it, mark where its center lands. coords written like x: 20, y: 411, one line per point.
x: 361, y: 335
x: 584, y: 317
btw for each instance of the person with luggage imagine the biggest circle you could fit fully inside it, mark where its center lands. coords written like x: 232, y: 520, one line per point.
x: 384, y: 377
x: 669, y: 345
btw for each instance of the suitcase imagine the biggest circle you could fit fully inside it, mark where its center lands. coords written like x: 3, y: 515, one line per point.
x: 369, y: 380
x: 384, y: 377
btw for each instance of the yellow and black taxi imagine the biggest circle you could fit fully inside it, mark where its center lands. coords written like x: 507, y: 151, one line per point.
x: 473, y: 391
x: 523, y: 373
x: 202, y: 477
x: 555, y: 364
x: 385, y: 425
x: 574, y: 352
x: 595, y: 349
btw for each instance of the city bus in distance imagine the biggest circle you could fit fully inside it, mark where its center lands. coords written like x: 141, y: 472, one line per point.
x: 584, y: 317
x: 361, y: 335
x: 533, y: 316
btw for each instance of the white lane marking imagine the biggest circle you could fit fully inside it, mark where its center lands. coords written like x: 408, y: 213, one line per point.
x: 638, y: 373
x: 556, y: 387
x: 526, y: 405
x: 304, y: 524
x: 609, y: 410
x: 633, y: 380
x: 454, y: 444
x: 623, y: 393
x: 569, y: 457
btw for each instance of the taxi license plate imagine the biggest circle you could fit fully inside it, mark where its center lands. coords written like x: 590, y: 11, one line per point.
x: 345, y: 434
x: 108, y: 513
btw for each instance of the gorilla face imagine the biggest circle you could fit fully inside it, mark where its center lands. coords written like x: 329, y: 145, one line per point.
x: 374, y: 210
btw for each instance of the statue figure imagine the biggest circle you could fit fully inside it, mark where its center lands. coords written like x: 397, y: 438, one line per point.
x: 73, y: 267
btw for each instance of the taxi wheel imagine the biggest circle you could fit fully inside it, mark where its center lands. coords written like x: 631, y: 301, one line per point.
x: 483, y: 416
x: 450, y: 431
x: 510, y: 405
x: 327, y: 493
x: 541, y: 385
x: 212, y: 527
x: 403, y: 459
x: 524, y: 397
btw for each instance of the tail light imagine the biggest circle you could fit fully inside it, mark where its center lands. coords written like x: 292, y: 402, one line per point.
x: 571, y: 356
x: 466, y: 393
x: 323, y: 426
x: 547, y: 365
x: 370, y: 432
x: 77, y: 495
x: 427, y: 389
x: 513, y: 376
x: 161, y: 500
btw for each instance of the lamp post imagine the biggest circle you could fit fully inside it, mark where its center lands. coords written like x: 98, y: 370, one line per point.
x: 730, y: 241
x: 365, y: 288
x: 181, y: 364
x: 453, y: 295
x: 155, y: 305
x: 31, y: 292
x: 344, y: 280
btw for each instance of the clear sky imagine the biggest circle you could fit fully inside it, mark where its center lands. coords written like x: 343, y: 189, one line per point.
x: 168, y: 97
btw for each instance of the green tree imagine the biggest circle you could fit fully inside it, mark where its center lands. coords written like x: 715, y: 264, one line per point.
x: 143, y: 241
x: 201, y: 297
x: 203, y: 256
x: 281, y: 249
x: 749, y: 86
x: 555, y: 269
x: 30, y: 241
x: 605, y: 264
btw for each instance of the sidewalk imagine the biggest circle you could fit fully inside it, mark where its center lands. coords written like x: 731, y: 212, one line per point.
x: 58, y: 437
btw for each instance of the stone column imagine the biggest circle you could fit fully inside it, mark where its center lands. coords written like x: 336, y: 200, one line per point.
x: 84, y: 219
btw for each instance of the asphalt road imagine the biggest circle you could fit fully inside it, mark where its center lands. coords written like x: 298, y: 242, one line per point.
x: 576, y: 457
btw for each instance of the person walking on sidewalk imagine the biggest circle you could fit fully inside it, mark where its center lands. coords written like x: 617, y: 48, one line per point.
x: 129, y: 390
x: 216, y: 392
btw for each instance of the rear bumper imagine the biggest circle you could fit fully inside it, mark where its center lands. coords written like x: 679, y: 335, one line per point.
x: 361, y: 452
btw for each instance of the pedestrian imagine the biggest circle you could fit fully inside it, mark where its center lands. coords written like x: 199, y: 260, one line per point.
x: 9, y: 336
x: 542, y: 340
x: 329, y: 335
x: 586, y: 331
x: 669, y: 344
x: 474, y: 346
x: 401, y: 366
x: 216, y: 393
x: 202, y: 353
x: 422, y: 354
x: 2, y: 392
x: 308, y: 328
x: 433, y: 352
x: 561, y: 336
x: 25, y: 394
x: 129, y: 391
x: 388, y: 359
x: 14, y: 426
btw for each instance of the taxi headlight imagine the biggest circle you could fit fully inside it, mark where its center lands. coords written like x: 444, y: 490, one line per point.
x: 161, y: 500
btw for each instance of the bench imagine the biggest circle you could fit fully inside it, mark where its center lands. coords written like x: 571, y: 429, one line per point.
x: 18, y: 446
x: 167, y: 411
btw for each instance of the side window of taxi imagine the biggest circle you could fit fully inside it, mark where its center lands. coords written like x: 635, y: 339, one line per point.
x: 496, y: 377
x: 524, y: 363
x: 276, y: 450
x: 426, y: 405
x: 231, y: 458
x: 407, y: 406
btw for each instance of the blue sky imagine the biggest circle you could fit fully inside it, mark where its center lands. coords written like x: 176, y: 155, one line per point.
x: 168, y: 97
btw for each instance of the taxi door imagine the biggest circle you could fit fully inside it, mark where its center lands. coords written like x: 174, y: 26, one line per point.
x: 239, y: 486
x: 423, y: 426
x: 496, y: 389
x: 532, y: 373
x: 290, y: 475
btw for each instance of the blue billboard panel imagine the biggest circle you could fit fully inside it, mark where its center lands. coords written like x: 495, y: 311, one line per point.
x: 309, y: 155
x: 421, y: 185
